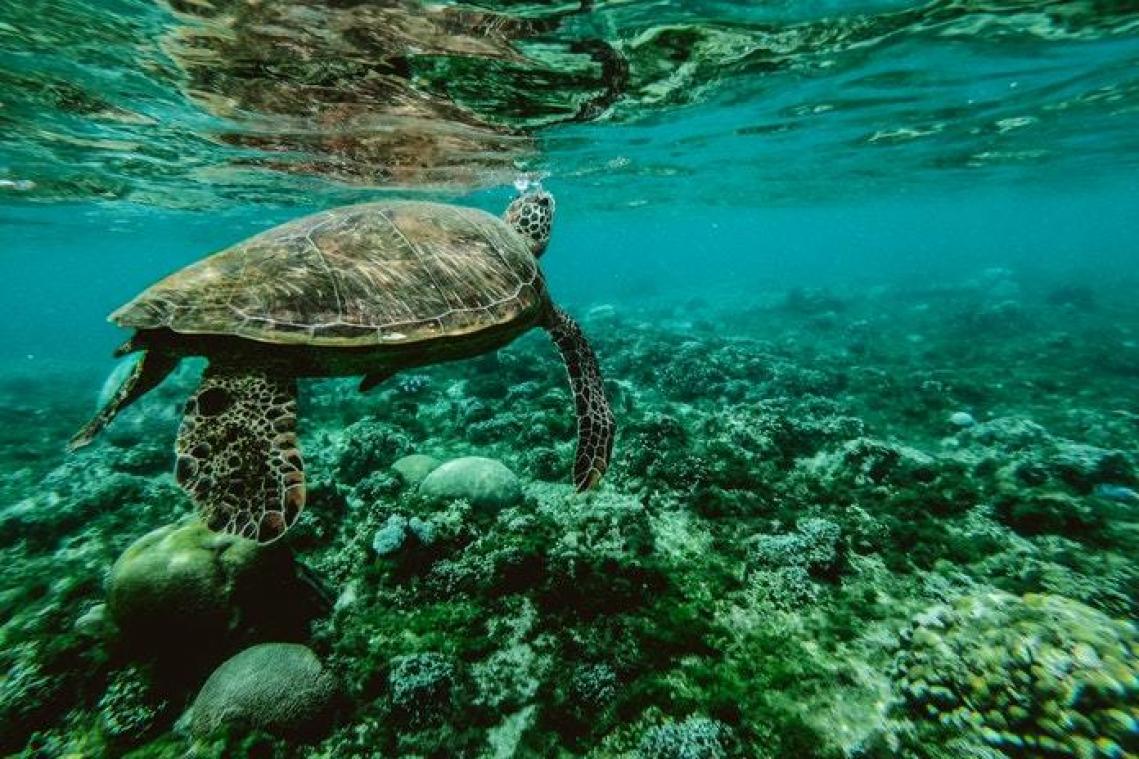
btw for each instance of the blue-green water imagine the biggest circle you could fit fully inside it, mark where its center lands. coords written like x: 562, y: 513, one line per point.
x: 860, y: 278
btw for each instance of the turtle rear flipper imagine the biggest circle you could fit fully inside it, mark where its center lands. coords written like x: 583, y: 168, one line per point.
x: 148, y: 372
x: 238, y: 455
x: 594, y: 418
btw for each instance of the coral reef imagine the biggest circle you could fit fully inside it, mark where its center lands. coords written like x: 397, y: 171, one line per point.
x: 694, y: 738
x: 802, y: 549
x: 1028, y: 676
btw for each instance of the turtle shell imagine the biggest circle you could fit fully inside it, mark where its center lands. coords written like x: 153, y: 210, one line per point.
x: 358, y: 276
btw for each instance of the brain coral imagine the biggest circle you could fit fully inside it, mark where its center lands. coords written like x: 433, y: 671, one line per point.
x: 1038, y: 675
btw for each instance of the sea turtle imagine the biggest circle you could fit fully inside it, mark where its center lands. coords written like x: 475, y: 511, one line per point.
x: 366, y: 289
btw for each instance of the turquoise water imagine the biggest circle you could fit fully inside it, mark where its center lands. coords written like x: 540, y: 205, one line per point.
x: 860, y: 278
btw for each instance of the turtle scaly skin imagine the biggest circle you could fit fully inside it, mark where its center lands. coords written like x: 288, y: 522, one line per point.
x: 252, y: 415
x: 594, y: 419
x: 369, y: 290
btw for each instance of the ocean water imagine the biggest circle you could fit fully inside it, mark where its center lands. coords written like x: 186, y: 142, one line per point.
x: 860, y: 281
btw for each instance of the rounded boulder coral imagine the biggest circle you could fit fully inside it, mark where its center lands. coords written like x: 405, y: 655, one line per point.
x: 488, y: 485
x: 183, y: 588
x: 278, y: 688
x: 1038, y: 675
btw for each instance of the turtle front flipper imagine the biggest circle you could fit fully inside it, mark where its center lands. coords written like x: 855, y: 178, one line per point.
x: 148, y: 372
x: 238, y: 455
x: 594, y: 418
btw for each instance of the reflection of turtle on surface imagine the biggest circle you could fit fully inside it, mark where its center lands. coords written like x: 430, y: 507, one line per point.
x: 368, y: 289
x: 387, y: 91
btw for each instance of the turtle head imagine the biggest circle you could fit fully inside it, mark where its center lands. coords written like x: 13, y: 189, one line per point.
x: 531, y: 214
